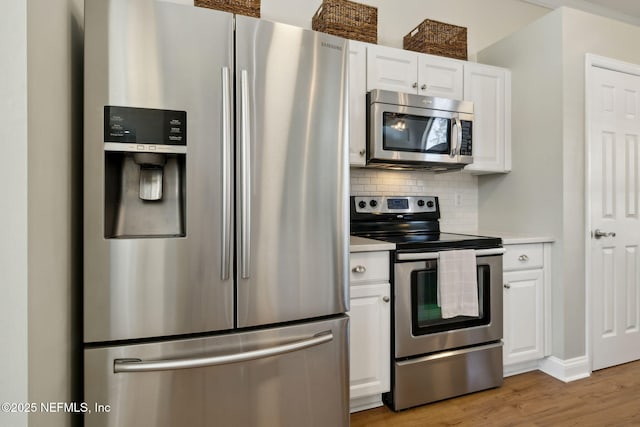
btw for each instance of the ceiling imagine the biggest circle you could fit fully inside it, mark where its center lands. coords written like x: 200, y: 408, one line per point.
x: 623, y: 10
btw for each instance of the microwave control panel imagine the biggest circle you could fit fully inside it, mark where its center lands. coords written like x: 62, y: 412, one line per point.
x: 466, y: 146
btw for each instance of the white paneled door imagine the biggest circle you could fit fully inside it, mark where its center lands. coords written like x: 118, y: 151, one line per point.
x: 614, y: 128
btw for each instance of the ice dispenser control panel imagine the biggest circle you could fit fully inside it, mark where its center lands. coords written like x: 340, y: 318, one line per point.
x: 145, y: 173
x: 145, y: 126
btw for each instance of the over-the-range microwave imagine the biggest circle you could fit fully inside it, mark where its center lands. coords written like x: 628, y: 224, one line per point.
x: 406, y: 131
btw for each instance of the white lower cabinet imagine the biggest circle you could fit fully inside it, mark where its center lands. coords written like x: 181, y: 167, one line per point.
x: 526, y: 310
x: 523, y: 316
x: 369, y: 336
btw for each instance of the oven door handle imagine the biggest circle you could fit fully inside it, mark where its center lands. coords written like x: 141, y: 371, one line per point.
x: 434, y: 255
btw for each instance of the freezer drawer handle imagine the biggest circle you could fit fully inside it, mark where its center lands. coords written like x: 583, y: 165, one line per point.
x: 137, y: 365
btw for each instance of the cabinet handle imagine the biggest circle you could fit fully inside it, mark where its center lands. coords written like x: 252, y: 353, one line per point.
x: 363, y: 152
x: 386, y: 298
x: 359, y: 269
x: 523, y: 258
x: 507, y: 286
x: 423, y: 87
x: 415, y: 85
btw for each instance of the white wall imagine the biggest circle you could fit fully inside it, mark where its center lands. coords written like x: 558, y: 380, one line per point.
x: 546, y: 190
x: 40, y: 138
x: 529, y: 199
x: 13, y: 211
x: 487, y: 21
x: 54, y: 145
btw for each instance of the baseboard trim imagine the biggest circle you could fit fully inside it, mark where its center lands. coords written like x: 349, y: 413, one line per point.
x: 566, y: 370
x: 364, y: 403
x: 520, y: 368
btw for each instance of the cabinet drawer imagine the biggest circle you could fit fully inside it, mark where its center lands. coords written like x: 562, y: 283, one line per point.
x: 369, y: 266
x: 523, y: 257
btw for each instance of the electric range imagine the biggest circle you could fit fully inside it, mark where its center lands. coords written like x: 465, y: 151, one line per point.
x: 433, y: 356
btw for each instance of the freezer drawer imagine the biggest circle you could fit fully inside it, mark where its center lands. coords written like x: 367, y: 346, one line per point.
x: 226, y: 380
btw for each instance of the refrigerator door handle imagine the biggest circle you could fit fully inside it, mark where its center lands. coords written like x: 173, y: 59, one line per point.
x: 245, y: 229
x: 137, y: 365
x: 226, y: 176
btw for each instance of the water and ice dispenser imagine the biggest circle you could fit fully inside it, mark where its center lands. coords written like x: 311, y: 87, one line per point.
x: 145, y: 172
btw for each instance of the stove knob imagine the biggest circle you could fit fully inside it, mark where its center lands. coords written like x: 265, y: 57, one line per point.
x: 362, y: 204
x: 430, y: 204
x: 373, y: 203
x: 421, y: 203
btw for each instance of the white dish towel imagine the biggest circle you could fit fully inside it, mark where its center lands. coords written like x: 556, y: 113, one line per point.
x: 457, y: 283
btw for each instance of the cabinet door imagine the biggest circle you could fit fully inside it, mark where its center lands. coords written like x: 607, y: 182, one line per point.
x: 439, y: 76
x: 369, y: 340
x: 490, y: 90
x: 523, y: 321
x: 392, y: 69
x: 357, y: 103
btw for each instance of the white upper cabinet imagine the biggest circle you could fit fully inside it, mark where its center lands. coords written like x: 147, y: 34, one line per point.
x: 391, y: 69
x: 411, y: 72
x: 357, y: 103
x: 489, y: 88
x: 438, y: 76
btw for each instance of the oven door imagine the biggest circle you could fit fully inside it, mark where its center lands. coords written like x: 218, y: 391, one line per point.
x: 419, y: 327
x: 408, y: 135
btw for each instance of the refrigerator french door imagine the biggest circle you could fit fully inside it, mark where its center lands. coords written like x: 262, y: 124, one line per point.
x: 215, y: 221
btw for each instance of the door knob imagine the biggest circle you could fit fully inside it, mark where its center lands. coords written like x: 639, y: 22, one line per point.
x: 599, y: 233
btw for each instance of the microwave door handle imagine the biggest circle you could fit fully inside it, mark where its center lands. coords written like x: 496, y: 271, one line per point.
x: 458, y: 126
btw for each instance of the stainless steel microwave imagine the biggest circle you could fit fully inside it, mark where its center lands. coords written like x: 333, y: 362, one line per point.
x: 407, y: 131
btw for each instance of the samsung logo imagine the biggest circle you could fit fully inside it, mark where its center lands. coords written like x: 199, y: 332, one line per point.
x: 331, y: 46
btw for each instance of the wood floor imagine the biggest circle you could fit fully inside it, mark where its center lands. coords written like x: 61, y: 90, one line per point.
x: 610, y: 397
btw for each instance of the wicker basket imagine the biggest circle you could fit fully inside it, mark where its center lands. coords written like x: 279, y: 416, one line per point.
x: 347, y: 19
x: 438, y: 38
x: 243, y: 7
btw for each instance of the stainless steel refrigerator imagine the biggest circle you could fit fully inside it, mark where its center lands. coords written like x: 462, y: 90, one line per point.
x: 215, y: 219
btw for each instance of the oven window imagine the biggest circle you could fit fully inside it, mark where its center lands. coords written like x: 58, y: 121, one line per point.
x: 406, y: 132
x: 425, y: 312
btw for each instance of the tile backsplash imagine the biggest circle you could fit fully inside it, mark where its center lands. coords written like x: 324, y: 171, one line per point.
x: 457, y: 192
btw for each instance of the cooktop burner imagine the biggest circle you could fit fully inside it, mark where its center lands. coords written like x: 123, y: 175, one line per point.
x: 411, y: 222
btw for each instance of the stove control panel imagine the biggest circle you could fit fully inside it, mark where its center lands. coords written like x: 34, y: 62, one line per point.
x: 397, y: 205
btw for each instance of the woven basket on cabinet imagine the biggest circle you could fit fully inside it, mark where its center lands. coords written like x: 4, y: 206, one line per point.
x: 347, y: 19
x: 438, y: 38
x: 242, y: 7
